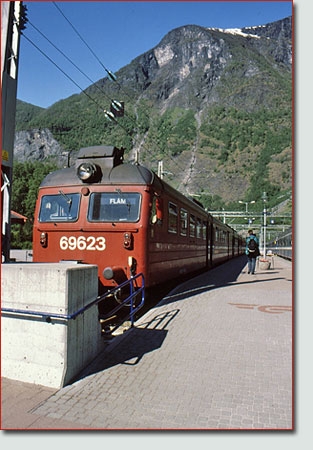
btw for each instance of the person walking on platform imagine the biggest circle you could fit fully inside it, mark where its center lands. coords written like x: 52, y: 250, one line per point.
x: 252, y: 251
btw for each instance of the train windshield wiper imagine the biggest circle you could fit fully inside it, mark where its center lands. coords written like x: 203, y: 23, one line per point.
x: 67, y: 199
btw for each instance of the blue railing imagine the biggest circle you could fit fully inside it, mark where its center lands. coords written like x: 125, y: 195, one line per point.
x: 134, y: 292
x: 128, y: 301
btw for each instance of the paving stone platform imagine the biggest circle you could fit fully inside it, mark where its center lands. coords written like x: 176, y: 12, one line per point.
x: 214, y: 354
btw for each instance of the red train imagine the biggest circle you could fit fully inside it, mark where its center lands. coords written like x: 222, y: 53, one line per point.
x: 126, y: 220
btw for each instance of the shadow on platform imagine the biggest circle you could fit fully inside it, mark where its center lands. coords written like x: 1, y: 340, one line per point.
x: 137, y: 342
x: 221, y: 276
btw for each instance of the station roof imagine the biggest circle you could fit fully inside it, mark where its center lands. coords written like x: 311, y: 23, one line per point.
x: 17, y: 218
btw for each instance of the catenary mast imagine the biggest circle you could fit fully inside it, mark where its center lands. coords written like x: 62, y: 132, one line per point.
x: 12, y: 21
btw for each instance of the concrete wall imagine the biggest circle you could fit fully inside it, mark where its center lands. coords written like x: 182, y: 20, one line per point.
x: 21, y: 255
x: 34, y: 350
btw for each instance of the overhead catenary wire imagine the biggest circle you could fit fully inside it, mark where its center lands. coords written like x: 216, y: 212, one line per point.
x: 72, y: 80
x: 78, y: 68
x: 59, y: 68
x: 63, y: 54
x: 111, y: 75
x: 110, y: 116
x: 107, y: 114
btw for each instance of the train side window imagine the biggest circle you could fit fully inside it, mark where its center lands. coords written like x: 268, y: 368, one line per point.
x: 172, y: 218
x: 199, y: 228
x: 192, y: 227
x: 62, y: 207
x: 204, y: 230
x: 157, y: 210
x: 183, y: 222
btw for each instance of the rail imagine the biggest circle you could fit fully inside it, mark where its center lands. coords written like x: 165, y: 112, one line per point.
x: 129, y: 301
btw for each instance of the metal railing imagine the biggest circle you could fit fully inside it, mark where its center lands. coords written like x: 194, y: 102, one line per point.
x: 134, y: 292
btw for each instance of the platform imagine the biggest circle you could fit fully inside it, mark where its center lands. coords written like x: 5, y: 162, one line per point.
x: 215, y: 354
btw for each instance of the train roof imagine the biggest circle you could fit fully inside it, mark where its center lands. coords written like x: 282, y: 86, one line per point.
x: 122, y: 174
x: 109, y: 169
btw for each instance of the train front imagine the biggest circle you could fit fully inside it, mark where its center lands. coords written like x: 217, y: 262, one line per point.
x: 95, y: 213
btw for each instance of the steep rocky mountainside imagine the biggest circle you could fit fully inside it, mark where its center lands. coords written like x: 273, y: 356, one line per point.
x: 214, y: 105
x: 190, y: 66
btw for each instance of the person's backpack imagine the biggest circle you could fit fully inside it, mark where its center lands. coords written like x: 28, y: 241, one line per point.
x: 252, y: 245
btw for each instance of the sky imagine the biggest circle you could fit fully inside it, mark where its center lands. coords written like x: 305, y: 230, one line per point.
x: 113, y: 33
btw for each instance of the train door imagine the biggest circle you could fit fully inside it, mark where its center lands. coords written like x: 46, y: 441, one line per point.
x: 210, y: 242
x: 232, y: 245
x: 156, y: 237
x: 206, y: 229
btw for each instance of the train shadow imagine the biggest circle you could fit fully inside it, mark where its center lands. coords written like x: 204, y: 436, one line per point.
x: 129, y: 349
x: 221, y: 276
x: 159, y: 294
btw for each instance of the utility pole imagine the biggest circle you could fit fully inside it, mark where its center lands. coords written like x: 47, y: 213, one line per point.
x: 264, y: 198
x: 160, y: 170
x: 246, y: 203
x: 12, y: 22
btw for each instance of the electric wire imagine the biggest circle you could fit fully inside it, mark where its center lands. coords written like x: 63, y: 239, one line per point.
x: 81, y: 89
x: 110, y: 74
x: 71, y: 79
x: 60, y: 69
x: 76, y: 67
x: 64, y: 55
x: 110, y: 117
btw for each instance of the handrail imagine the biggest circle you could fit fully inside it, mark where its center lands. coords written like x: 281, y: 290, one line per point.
x: 49, y: 316
x: 133, y: 293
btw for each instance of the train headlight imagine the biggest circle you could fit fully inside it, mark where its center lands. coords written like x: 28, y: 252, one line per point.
x: 88, y: 172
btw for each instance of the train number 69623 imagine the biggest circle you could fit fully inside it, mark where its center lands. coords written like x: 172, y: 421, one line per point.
x: 82, y: 243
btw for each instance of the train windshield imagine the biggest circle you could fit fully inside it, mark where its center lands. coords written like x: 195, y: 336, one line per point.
x: 114, y: 207
x: 59, y: 208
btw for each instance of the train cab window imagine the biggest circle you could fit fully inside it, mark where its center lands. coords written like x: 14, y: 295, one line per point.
x: 183, y: 222
x: 172, y: 218
x: 59, y: 207
x: 114, y: 207
x: 192, y: 227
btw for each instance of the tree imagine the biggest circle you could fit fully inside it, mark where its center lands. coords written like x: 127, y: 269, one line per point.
x: 27, y: 178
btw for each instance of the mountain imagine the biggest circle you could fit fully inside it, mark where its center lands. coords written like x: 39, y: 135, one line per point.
x: 214, y: 105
